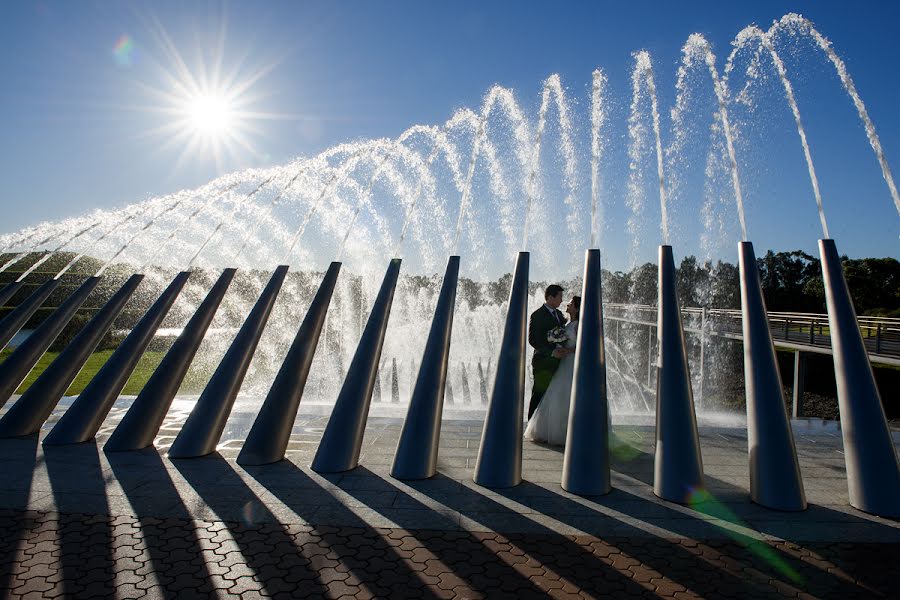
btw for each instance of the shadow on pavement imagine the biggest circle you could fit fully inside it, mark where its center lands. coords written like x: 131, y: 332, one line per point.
x: 85, y: 527
x: 464, y: 553
x: 175, y: 550
x: 372, y: 556
x: 793, y: 563
x: 542, y: 548
x: 19, y: 457
x: 267, y: 547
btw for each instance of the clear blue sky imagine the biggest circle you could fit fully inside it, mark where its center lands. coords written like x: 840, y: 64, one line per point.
x: 76, y: 125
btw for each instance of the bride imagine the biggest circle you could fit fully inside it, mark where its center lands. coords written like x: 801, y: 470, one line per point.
x: 550, y: 420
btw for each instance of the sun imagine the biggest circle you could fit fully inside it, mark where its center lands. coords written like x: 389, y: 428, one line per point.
x: 211, y: 115
x: 210, y: 119
x: 207, y: 103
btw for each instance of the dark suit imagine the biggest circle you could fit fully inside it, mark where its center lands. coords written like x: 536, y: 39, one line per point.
x: 543, y: 364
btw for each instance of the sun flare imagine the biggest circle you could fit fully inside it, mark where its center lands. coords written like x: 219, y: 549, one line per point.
x: 207, y: 101
x: 210, y: 114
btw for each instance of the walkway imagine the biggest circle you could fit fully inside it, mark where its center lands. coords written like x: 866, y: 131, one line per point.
x: 77, y: 522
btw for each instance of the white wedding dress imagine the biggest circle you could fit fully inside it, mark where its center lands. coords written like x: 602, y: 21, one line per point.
x: 551, y: 419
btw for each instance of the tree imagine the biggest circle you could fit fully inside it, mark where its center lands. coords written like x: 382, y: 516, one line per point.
x: 643, y: 284
x: 874, y: 284
x: 498, y: 291
x: 784, y: 277
x: 470, y: 291
x: 692, y: 282
x: 724, y: 289
x: 615, y: 286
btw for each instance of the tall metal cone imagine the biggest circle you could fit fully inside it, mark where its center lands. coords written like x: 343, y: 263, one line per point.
x: 586, y: 458
x: 29, y: 413
x: 17, y: 365
x: 395, y: 382
x: 83, y: 419
x: 873, y: 472
x: 678, y: 470
x: 141, y: 423
x: 499, y: 463
x: 449, y: 393
x: 775, y: 480
x: 482, y: 384
x: 9, y: 290
x: 204, y: 426
x: 17, y: 317
x: 467, y: 395
x: 341, y: 442
x: 376, y: 392
x: 271, y: 431
x: 417, y: 450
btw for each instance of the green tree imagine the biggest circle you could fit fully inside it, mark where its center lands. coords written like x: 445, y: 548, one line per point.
x: 874, y: 284
x: 643, y: 284
x: 615, y: 286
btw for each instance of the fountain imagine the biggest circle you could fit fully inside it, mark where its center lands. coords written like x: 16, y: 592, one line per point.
x: 486, y: 185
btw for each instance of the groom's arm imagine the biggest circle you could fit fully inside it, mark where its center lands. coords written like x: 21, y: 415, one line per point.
x: 537, y: 336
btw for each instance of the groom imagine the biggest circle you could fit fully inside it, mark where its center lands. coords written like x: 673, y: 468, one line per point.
x: 546, y: 356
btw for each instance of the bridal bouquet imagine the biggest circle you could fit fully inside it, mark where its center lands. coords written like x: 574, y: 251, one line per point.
x: 557, y: 336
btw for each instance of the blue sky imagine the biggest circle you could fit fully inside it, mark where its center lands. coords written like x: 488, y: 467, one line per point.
x: 76, y: 124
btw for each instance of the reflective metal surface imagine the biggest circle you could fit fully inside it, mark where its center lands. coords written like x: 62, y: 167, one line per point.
x: 417, y: 450
x: 774, y: 470
x: 873, y: 472
x: 81, y: 422
x: 32, y: 409
x: 341, y: 442
x: 586, y: 459
x: 268, y: 438
x: 18, y: 364
x: 499, y: 462
x: 203, y: 427
x: 145, y: 416
x: 678, y: 469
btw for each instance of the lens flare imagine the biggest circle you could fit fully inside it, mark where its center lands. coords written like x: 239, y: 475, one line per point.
x: 705, y: 503
x: 123, y: 51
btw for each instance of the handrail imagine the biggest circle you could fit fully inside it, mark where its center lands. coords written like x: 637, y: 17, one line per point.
x: 795, y: 330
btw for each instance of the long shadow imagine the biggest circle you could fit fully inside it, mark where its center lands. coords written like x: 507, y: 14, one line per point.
x: 266, y: 544
x: 85, y: 525
x: 693, y: 523
x: 461, y: 551
x: 750, y: 562
x: 19, y: 459
x: 637, y: 464
x: 670, y: 558
x: 373, y: 560
x: 175, y: 550
x: 555, y: 552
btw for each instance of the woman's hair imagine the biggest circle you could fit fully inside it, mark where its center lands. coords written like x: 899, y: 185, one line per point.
x: 576, y: 300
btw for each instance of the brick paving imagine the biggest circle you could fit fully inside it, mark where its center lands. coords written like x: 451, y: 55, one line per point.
x: 77, y: 523
x: 48, y: 555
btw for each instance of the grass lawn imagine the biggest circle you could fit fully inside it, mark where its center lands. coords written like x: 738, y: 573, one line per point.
x: 145, y: 368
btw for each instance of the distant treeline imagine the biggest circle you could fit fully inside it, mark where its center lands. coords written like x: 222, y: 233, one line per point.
x: 791, y: 281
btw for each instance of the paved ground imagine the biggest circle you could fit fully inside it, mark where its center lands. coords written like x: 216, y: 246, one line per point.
x: 79, y: 523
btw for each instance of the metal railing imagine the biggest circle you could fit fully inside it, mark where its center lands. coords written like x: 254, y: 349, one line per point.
x: 795, y: 330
